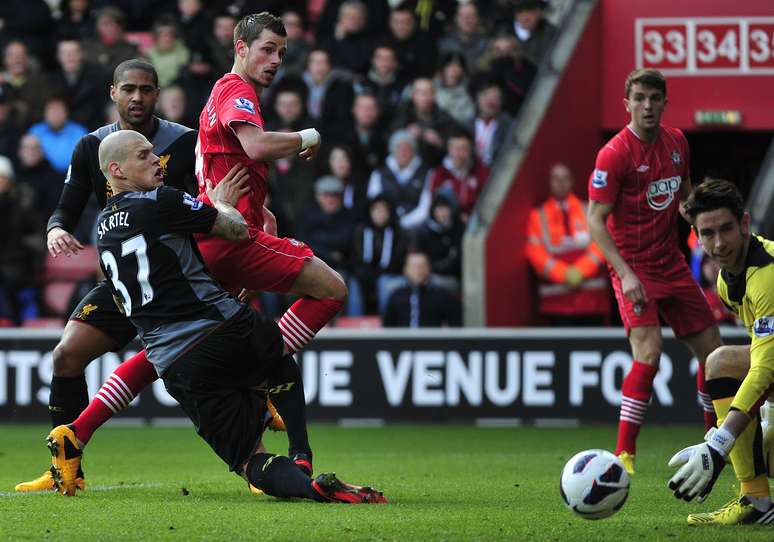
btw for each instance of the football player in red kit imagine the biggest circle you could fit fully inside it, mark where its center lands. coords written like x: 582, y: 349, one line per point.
x: 636, y: 190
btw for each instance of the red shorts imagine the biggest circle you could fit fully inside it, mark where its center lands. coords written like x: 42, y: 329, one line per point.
x: 264, y: 263
x: 675, y: 296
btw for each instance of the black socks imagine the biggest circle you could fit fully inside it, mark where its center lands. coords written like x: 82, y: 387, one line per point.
x: 278, y: 476
x: 69, y: 397
x: 287, y: 395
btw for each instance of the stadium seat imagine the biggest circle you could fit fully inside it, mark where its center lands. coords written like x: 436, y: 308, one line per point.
x: 62, y: 275
x: 44, y: 323
x: 56, y: 296
x: 362, y: 322
x: 74, y: 268
x: 143, y: 40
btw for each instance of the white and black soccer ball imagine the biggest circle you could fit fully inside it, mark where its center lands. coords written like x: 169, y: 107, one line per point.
x: 594, y: 484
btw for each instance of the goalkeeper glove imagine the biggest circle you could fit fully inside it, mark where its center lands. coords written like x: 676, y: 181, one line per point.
x: 700, y: 465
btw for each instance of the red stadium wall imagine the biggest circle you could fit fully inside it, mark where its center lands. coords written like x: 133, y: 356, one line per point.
x: 569, y: 133
x: 716, y: 56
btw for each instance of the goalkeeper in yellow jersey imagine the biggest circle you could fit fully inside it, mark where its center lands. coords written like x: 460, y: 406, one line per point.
x: 738, y: 377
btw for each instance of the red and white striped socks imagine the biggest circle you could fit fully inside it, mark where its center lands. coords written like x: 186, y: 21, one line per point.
x: 637, y: 388
x: 710, y: 418
x: 305, y: 318
x: 129, y: 379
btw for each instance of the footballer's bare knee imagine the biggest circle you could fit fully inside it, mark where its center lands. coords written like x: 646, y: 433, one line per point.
x: 79, y: 345
x: 337, y: 288
x: 67, y: 362
x: 320, y: 281
x: 646, y: 344
x: 728, y: 362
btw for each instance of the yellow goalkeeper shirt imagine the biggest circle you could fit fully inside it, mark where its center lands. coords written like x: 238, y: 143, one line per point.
x: 750, y: 295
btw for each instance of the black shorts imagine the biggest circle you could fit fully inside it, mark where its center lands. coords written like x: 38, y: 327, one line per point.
x: 214, y: 381
x: 98, y: 309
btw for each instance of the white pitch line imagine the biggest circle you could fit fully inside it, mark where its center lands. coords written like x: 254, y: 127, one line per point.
x: 90, y: 488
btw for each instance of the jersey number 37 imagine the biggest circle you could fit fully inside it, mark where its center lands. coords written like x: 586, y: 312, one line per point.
x: 137, y: 280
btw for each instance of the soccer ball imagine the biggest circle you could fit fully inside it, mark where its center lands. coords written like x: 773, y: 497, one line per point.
x: 594, y: 484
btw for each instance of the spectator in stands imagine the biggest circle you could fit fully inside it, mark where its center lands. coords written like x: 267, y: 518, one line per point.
x: 342, y: 165
x: 416, y: 50
x: 76, y: 22
x: 326, y: 226
x: 467, y: 37
x: 57, y: 133
x: 420, y: 303
x: 298, y: 45
x: 573, y: 288
x: 329, y: 96
x: 292, y: 177
x: 532, y: 29
x: 83, y: 83
x: 379, y: 254
x: 350, y: 45
x: 365, y: 136
x: 110, y: 47
x: 461, y: 174
x: 505, y: 65
x: 168, y: 54
x: 172, y: 106
x: 404, y: 179
x: 36, y: 173
x: 376, y: 24
x: 221, y: 44
x: 26, y: 84
x: 383, y: 79
x: 193, y: 22
x: 492, y: 124
x: 440, y: 237
x: 196, y: 80
x: 451, y: 88
x: 21, y: 248
x: 29, y: 22
x: 427, y: 122
x: 10, y: 133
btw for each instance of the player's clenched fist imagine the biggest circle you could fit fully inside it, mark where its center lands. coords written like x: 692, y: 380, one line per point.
x: 310, y: 143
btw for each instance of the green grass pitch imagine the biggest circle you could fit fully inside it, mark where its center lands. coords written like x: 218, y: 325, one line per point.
x: 444, y: 483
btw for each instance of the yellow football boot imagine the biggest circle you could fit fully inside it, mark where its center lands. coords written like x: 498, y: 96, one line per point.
x: 736, y: 512
x: 628, y: 462
x: 276, y: 423
x: 45, y: 482
x: 65, y: 459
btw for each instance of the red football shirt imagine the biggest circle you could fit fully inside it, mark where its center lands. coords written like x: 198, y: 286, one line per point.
x: 642, y: 180
x: 218, y: 148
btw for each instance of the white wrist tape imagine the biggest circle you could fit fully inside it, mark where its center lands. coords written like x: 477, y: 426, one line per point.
x: 720, y: 439
x: 309, y: 138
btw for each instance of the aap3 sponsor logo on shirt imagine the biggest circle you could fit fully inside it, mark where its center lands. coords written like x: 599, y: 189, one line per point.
x: 763, y: 326
x: 662, y: 192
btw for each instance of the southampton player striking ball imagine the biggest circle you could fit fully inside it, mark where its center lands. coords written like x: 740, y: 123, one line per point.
x: 594, y: 484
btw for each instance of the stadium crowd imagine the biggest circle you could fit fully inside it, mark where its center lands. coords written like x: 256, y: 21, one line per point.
x: 413, y: 100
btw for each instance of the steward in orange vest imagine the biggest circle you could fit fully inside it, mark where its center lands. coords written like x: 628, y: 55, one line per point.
x: 573, y: 281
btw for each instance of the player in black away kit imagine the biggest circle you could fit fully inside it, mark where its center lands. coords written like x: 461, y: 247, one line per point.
x: 211, y: 351
x: 96, y: 325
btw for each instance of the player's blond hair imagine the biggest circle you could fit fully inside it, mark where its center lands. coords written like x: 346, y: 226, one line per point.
x: 647, y: 77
